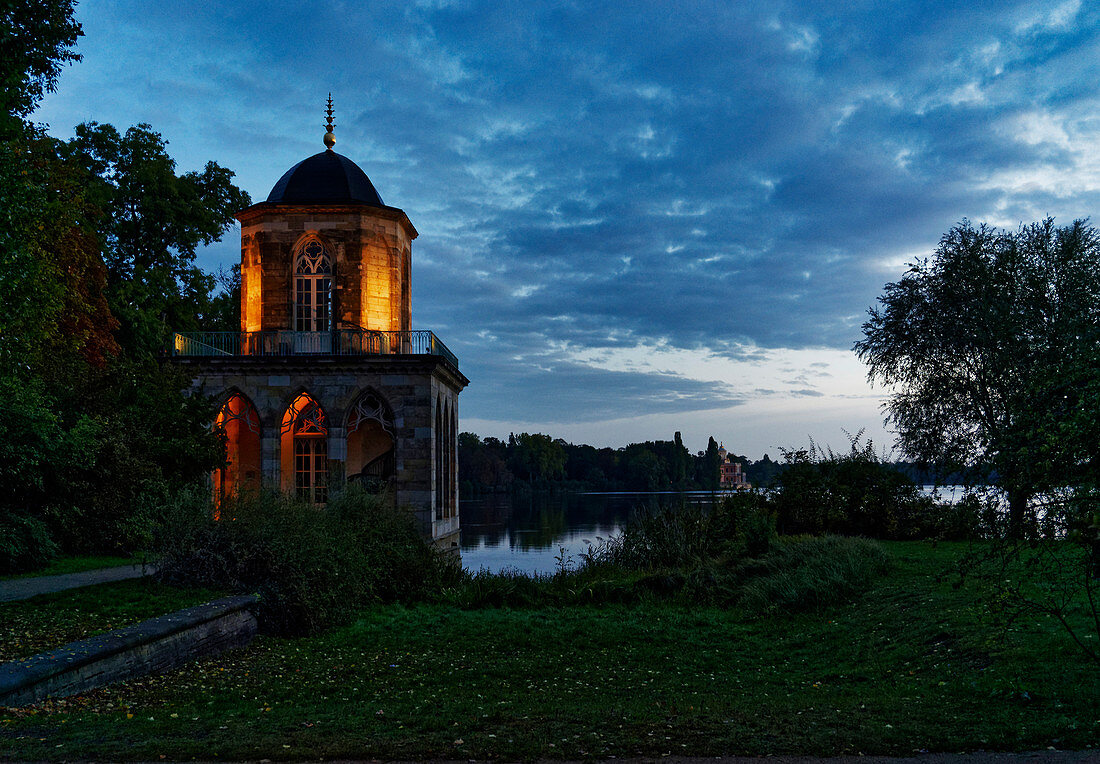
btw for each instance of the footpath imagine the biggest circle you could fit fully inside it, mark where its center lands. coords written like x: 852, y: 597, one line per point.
x: 25, y: 588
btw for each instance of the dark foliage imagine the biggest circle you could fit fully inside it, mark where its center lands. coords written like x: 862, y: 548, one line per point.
x: 36, y: 41
x: 976, y: 339
x: 96, y: 262
x: 539, y: 461
x: 313, y: 568
x: 727, y: 554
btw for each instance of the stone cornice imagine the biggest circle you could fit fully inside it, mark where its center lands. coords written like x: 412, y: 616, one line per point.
x: 307, y: 364
x: 251, y: 214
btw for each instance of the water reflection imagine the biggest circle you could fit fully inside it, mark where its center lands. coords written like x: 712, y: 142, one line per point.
x: 527, y: 532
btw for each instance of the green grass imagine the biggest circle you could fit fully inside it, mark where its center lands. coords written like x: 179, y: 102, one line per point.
x: 64, y: 565
x: 47, y: 621
x: 910, y: 665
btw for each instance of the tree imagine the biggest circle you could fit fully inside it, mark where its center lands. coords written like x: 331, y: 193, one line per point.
x: 36, y: 40
x: 711, y: 466
x: 963, y: 339
x: 536, y: 458
x: 100, y: 228
x: 153, y: 222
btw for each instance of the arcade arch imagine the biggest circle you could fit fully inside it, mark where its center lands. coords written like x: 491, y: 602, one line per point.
x: 370, y: 441
x: 303, y: 448
x: 238, y: 419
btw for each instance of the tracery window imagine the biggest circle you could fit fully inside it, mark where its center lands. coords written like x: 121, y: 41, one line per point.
x: 306, y: 427
x: 312, y: 288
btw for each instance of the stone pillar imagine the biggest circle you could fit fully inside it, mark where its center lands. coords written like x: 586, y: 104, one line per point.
x: 269, y: 456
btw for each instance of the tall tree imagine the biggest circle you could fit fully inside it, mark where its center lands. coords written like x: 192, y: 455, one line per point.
x: 154, y: 221
x: 712, y: 466
x: 36, y: 41
x: 963, y: 336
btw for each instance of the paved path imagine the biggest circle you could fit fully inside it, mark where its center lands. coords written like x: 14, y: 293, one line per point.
x: 977, y: 757
x: 25, y: 588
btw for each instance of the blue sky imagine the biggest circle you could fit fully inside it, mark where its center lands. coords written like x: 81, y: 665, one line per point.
x: 634, y: 218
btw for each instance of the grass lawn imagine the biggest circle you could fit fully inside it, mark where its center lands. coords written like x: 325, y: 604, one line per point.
x: 911, y: 666
x: 52, y: 620
x: 76, y: 565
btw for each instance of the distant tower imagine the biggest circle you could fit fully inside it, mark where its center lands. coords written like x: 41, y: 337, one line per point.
x: 327, y: 381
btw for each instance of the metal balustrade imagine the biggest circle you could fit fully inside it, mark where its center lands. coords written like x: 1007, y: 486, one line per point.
x: 342, y: 342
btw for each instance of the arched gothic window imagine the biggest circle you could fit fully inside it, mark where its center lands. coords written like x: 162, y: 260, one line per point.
x: 312, y: 288
x: 305, y: 436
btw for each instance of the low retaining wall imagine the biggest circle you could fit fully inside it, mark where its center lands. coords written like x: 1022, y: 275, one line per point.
x: 150, y: 646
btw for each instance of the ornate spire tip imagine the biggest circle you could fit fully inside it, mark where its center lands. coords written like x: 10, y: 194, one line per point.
x: 330, y: 139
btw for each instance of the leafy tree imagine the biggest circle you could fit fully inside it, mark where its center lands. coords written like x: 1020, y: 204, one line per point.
x: 536, y: 457
x: 963, y: 336
x: 711, y: 464
x: 36, y: 40
x: 153, y: 223
x: 679, y: 462
x: 92, y: 433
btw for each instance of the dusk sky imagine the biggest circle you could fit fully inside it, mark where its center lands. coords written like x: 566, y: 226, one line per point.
x: 634, y: 218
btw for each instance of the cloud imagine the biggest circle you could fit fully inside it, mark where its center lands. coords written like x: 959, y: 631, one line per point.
x: 721, y: 179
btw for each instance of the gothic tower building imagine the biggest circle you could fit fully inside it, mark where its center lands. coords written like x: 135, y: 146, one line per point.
x: 327, y: 381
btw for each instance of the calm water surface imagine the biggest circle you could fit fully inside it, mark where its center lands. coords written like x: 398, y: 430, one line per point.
x: 527, y: 532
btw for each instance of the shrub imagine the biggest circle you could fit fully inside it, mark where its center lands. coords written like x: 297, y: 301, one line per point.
x: 852, y: 494
x: 810, y: 573
x: 312, y: 567
x: 25, y: 544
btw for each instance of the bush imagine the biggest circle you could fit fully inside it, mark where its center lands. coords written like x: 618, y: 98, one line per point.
x: 312, y: 567
x: 811, y: 573
x: 25, y: 544
x: 853, y: 494
x: 687, y: 535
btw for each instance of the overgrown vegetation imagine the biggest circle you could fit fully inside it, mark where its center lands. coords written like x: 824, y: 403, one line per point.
x: 313, y: 568
x: 727, y: 554
x: 860, y: 493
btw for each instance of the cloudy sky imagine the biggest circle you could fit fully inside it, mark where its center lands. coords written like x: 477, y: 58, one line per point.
x: 640, y: 217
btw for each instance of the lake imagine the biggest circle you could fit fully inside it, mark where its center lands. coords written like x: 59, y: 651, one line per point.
x: 527, y: 532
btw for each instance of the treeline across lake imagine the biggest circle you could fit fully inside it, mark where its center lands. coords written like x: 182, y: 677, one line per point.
x: 490, y: 465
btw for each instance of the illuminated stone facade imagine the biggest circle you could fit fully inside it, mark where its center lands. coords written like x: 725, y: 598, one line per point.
x: 730, y: 476
x: 327, y: 382
x: 372, y: 249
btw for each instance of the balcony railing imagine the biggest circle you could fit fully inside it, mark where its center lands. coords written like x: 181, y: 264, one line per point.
x: 343, y: 342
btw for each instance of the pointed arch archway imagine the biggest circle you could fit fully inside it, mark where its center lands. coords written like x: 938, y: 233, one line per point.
x: 303, y: 448
x: 453, y: 448
x: 240, y: 422
x: 371, y: 441
x: 439, y: 440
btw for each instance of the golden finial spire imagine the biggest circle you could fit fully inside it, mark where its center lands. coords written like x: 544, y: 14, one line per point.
x: 330, y: 139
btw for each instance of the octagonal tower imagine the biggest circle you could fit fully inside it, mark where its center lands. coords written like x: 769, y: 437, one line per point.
x: 327, y: 382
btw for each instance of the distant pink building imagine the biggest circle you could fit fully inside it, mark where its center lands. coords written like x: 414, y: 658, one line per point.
x: 730, y: 476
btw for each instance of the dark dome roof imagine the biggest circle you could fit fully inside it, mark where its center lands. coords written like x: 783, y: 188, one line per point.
x: 327, y: 177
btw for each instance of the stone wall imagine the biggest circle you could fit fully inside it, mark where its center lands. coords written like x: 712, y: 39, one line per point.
x: 152, y: 646
x: 412, y: 386
x: 371, y: 252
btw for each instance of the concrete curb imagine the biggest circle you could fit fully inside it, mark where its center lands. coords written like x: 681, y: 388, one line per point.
x: 150, y: 646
